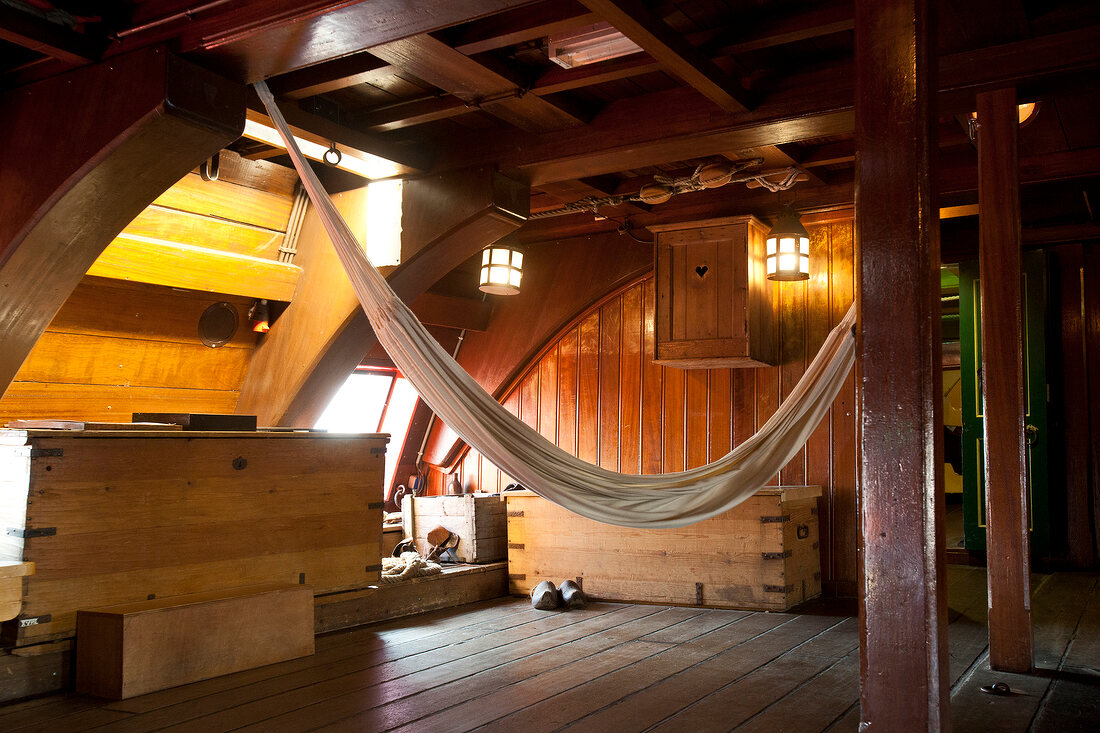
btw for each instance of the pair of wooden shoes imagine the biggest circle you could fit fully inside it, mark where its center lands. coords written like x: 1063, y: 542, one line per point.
x: 545, y: 597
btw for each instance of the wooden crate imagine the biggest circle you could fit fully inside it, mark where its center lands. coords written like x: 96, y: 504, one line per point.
x: 762, y: 554
x: 477, y: 519
x: 136, y: 648
x: 714, y: 301
x: 120, y: 517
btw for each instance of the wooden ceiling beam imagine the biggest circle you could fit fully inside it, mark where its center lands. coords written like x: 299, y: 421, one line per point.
x: 635, y: 21
x: 411, y: 113
x: 669, y: 126
x: 49, y: 39
x: 348, y: 71
x: 411, y: 160
x: 520, y: 25
x: 437, y: 63
x: 266, y: 38
x: 575, y: 190
x: 786, y: 27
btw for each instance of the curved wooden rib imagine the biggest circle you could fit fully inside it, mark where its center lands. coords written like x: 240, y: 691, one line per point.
x: 83, y: 154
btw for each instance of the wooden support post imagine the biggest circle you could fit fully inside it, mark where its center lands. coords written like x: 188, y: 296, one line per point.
x: 81, y: 154
x: 324, y: 334
x: 903, y: 624
x: 1010, y: 647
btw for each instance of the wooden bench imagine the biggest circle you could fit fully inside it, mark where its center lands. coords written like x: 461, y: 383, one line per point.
x: 136, y: 648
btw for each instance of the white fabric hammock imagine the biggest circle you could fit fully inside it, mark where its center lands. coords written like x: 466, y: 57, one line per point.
x: 663, y: 500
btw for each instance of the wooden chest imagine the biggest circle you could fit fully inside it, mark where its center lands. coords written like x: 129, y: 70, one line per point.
x: 714, y: 301
x: 119, y: 517
x: 762, y: 554
x: 477, y: 519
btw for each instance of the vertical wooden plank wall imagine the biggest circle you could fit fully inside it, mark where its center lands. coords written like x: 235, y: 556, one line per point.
x: 597, y: 393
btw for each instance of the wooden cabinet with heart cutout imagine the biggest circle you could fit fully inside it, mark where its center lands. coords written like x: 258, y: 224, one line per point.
x: 715, y: 306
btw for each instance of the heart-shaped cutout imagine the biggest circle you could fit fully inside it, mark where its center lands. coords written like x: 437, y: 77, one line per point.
x: 701, y: 270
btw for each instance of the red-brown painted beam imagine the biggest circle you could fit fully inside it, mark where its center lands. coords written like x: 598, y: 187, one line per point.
x: 1010, y: 647
x: 82, y: 154
x: 903, y: 609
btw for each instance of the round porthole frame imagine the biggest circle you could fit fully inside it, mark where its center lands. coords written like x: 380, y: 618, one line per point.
x: 218, y: 324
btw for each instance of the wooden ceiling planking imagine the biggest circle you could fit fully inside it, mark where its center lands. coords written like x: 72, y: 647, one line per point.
x: 674, y: 53
x: 50, y: 39
x: 435, y: 62
x: 519, y: 25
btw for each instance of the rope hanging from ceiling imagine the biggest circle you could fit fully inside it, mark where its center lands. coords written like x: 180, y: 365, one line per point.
x: 712, y: 175
x: 665, y: 500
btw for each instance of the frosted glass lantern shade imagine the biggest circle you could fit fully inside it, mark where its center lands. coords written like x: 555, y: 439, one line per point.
x: 501, y: 269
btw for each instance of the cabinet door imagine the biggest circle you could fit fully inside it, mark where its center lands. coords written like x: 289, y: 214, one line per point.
x: 1035, y: 405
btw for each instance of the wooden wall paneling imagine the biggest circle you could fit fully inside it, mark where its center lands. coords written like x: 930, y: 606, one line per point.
x: 567, y: 391
x: 767, y: 400
x: 158, y: 117
x: 696, y: 419
x: 199, y: 230
x: 720, y: 422
x: 843, y: 483
x: 673, y: 413
x: 114, y: 309
x: 226, y: 201
x: 529, y: 399
x: 548, y: 396
x: 904, y: 684
x: 610, y: 384
x: 107, y: 403
x: 131, y: 341
x: 90, y: 360
x: 819, y: 320
x: 630, y: 378
x: 1074, y: 398
x: 652, y: 387
x: 1007, y: 521
x: 196, y: 268
x: 792, y: 361
x: 588, y: 390
x: 743, y: 395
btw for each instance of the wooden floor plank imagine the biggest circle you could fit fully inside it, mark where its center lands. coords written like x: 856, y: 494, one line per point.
x: 814, y: 705
x: 732, y: 704
x: 1073, y: 701
x: 694, y: 627
x: 404, y: 703
x: 566, y: 707
x: 502, y: 666
x: 651, y: 705
x: 486, y: 708
x: 243, y: 705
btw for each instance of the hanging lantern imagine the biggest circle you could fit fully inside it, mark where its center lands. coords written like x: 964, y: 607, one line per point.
x: 501, y: 268
x: 788, y: 248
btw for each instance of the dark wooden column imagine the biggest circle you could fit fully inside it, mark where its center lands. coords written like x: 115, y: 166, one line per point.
x: 324, y: 334
x: 1003, y: 384
x: 903, y: 625
x: 81, y: 154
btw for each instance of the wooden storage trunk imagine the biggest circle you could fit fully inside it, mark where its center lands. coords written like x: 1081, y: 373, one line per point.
x: 119, y: 517
x: 477, y: 519
x: 762, y: 554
